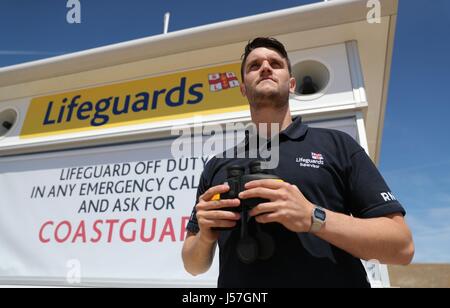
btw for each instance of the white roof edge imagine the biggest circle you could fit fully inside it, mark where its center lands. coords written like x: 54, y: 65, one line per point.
x: 312, y: 16
x: 386, y: 80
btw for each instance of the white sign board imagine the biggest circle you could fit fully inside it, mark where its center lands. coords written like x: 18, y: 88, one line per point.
x: 102, y: 215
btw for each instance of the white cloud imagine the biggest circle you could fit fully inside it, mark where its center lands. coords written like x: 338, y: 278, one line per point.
x: 423, y: 191
x: 431, y: 233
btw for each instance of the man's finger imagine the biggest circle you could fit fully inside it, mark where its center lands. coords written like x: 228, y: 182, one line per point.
x: 267, y: 207
x: 268, y: 183
x: 209, y: 194
x: 259, y: 192
x: 267, y: 218
x: 222, y: 215
x: 218, y: 223
x: 218, y: 204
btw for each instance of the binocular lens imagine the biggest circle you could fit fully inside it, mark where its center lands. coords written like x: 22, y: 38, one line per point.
x: 235, y: 170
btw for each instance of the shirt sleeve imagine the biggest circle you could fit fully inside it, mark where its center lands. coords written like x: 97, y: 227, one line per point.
x: 370, y: 196
x: 203, y: 186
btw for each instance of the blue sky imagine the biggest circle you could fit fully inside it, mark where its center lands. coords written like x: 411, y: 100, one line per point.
x: 415, y: 156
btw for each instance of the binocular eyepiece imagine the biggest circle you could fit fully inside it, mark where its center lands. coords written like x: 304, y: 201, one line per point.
x: 236, y: 180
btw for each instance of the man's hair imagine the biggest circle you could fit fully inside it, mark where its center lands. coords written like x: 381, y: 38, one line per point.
x: 268, y: 42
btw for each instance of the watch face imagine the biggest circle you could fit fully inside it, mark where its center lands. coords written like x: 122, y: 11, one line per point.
x: 320, y: 214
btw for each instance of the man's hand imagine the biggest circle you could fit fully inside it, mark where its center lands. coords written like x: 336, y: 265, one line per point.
x: 210, y: 215
x: 287, y: 206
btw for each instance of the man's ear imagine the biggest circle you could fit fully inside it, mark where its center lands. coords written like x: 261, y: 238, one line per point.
x: 292, y: 85
x: 243, y: 91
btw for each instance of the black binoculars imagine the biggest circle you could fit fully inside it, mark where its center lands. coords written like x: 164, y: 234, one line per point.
x: 236, y: 180
x: 259, y: 245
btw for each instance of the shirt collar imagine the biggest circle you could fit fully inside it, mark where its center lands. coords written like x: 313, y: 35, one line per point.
x: 296, y: 129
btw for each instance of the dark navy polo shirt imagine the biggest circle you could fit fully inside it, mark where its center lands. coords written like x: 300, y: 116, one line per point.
x: 331, y: 170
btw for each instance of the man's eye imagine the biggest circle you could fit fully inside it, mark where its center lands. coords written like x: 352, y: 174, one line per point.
x: 276, y: 65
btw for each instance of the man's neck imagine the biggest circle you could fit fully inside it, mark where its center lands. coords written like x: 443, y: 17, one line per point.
x: 281, y: 116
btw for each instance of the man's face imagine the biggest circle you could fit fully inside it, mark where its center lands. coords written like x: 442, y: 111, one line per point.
x: 266, y: 78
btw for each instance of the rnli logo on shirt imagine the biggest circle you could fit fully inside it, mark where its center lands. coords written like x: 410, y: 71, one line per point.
x: 387, y: 196
x: 315, y: 161
x: 316, y: 156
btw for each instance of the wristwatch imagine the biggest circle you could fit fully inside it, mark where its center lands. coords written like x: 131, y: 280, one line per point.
x: 318, y: 218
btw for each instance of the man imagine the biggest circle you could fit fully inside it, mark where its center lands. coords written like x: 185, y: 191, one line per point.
x: 324, y: 216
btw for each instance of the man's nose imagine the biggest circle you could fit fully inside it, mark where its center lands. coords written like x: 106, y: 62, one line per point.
x: 265, y: 66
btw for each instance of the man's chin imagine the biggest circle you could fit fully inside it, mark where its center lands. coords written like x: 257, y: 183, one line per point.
x: 267, y: 93
x: 273, y: 101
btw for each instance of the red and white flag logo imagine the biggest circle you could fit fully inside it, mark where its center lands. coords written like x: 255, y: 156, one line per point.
x: 316, y: 156
x: 222, y: 81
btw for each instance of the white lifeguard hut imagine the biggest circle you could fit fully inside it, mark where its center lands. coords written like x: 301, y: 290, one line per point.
x: 89, y: 193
